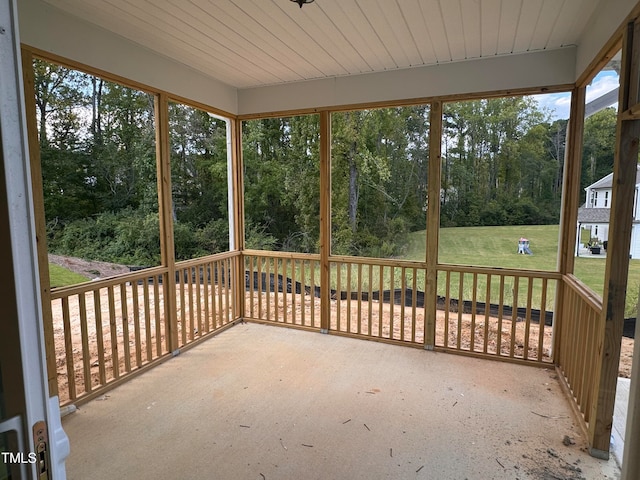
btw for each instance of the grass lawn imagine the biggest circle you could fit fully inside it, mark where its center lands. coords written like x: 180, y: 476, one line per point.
x: 61, y: 277
x: 498, y: 246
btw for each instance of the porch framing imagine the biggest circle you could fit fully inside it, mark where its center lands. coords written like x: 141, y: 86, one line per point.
x: 595, y: 416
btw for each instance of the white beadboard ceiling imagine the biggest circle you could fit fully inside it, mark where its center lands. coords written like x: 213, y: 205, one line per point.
x: 252, y: 43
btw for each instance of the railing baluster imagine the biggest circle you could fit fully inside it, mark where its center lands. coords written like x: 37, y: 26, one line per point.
x: 199, y: 280
x: 514, y: 316
x: 183, y: 307
x: 285, y: 288
x: 380, y: 300
x: 124, y: 308
x: 474, y: 304
x: 392, y: 300
x: 403, y: 297
x: 543, y: 318
x: 500, y: 315
x: 189, y: 272
x: 136, y: 321
x: 207, y: 283
x: 115, y: 361
x: 359, y: 315
x: 527, y: 326
x: 68, y: 347
x: 487, y: 311
x: 338, y: 295
x: 84, y: 333
x: 99, y: 337
x: 156, y: 302
x: 414, y: 300
x: 447, y: 307
x: 460, y: 309
x: 370, y: 301
x: 252, y: 289
x: 147, y: 319
x: 348, y: 300
x: 312, y: 291
x: 293, y: 291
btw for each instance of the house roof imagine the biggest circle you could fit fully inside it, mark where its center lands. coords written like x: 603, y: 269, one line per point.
x: 235, y: 53
x: 607, y: 181
x: 593, y: 215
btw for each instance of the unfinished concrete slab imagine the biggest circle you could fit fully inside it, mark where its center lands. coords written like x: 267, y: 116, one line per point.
x: 263, y: 402
x: 620, y: 418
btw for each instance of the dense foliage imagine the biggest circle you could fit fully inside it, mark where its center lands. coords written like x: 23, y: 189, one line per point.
x: 502, y: 164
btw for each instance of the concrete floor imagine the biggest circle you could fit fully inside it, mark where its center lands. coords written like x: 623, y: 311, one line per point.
x: 620, y: 418
x: 261, y: 402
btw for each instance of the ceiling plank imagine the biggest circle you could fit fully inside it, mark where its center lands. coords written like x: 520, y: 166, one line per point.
x: 452, y: 19
x: 509, y: 22
x: 471, y: 27
x: 527, y: 25
x: 490, y: 12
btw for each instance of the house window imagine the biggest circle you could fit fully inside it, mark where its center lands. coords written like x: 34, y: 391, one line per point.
x: 595, y: 231
x: 595, y: 199
x: 606, y: 199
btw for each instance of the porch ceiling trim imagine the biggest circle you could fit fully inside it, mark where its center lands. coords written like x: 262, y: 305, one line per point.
x: 537, y: 71
x: 519, y: 48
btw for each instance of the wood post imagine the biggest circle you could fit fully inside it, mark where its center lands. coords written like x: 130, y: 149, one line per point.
x: 325, y: 220
x: 165, y: 217
x: 433, y: 223
x: 40, y: 219
x: 569, y: 210
x: 617, y: 266
x: 237, y: 211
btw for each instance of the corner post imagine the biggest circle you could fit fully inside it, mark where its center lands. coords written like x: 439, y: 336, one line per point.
x: 569, y: 211
x: 167, y: 248
x: 237, y: 210
x: 617, y: 266
x: 40, y: 219
x: 325, y: 220
x: 433, y: 223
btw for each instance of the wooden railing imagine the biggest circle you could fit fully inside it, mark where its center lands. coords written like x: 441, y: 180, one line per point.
x: 106, y: 330
x: 378, y: 299
x: 110, y: 329
x: 501, y: 312
x: 580, y: 336
x: 484, y: 311
x: 204, y: 296
x: 282, y: 288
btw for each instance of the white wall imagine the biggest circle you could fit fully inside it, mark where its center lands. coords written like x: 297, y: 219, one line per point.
x: 608, y: 16
x: 634, y: 250
x: 508, y: 72
x: 47, y: 28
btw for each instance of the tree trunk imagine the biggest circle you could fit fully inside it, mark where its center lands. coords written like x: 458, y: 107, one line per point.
x: 353, y: 188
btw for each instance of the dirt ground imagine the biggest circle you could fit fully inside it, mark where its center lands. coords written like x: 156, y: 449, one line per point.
x: 143, y: 331
x: 88, y: 268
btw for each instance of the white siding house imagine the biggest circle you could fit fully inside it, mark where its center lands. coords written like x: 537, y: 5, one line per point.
x: 594, y: 214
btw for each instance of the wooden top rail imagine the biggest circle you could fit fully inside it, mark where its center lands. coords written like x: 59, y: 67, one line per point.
x: 288, y: 255
x: 106, y: 282
x: 593, y: 299
x: 196, y: 262
x: 410, y: 264
x: 500, y: 271
x: 384, y: 262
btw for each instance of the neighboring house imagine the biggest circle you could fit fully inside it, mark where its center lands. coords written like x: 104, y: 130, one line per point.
x: 594, y: 214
